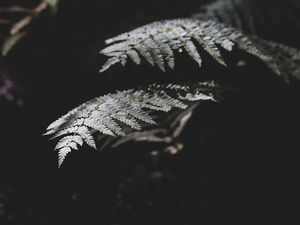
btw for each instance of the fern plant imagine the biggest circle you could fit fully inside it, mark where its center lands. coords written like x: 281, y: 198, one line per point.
x: 111, y: 114
x: 157, y: 42
x: 131, y: 110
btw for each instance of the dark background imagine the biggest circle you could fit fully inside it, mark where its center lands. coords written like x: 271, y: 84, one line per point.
x: 239, y: 164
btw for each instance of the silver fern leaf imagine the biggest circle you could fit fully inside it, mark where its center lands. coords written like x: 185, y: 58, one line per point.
x: 111, y: 114
x: 157, y: 41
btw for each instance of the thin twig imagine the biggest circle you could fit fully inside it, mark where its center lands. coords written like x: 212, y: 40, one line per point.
x: 27, y: 19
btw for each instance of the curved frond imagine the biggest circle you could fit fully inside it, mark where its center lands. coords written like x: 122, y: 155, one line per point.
x: 112, y: 114
x: 156, y: 42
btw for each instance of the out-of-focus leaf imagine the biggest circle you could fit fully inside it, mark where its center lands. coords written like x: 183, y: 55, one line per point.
x: 10, y: 42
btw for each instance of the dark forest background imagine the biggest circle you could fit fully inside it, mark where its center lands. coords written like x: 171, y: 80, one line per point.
x: 239, y: 164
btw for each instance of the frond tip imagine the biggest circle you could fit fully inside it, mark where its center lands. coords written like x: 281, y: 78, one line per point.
x: 113, y: 114
x: 156, y: 43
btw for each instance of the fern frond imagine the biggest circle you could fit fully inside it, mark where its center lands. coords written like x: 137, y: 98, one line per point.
x: 157, y: 41
x: 112, y: 114
x: 285, y: 61
x: 253, y: 16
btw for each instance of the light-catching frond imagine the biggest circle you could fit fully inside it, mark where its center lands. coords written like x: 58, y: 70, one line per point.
x: 112, y: 113
x: 157, y: 41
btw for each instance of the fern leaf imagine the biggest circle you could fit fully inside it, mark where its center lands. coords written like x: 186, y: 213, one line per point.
x: 62, y: 154
x: 112, y: 114
x: 65, y: 145
x: 157, y: 41
x: 285, y: 60
x: 253, y: 16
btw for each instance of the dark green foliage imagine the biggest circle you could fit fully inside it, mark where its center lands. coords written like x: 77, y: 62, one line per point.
x: 253, y: 16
